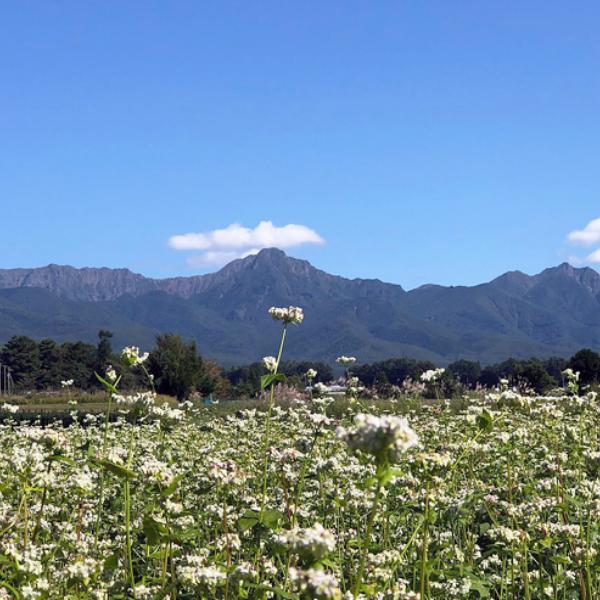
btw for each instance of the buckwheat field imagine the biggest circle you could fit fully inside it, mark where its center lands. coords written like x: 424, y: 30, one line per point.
x: 492, y: 498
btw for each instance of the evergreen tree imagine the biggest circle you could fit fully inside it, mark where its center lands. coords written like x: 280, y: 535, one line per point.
x: 176, y: 366
x: 50, y: 372
x: 104, y: 351
x: 22, y: 356
x: 467, y: 372
x: 79, y: 362
x: 587, y: 362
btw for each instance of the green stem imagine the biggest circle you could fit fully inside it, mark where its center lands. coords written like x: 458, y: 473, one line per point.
x: 424, y: 548
x: 267, y: 435
x: 128, y: 512
x: 42, y: 505
x: 302, y: 477
x: 367, y: 539
x: 103, y: 456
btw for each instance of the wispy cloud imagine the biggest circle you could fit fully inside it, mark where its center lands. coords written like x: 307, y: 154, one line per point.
x: 221, y: 246
x: 588, y: 236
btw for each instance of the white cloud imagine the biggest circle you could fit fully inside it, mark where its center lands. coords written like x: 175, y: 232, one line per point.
x: 221, y: 246
x: 587, y: 236
x: 594, y: 257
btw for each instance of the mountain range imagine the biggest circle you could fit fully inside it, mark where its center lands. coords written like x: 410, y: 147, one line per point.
x: 553, y: 313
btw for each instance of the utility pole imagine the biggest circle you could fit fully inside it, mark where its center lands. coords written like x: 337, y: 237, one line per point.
x: 6, y: 382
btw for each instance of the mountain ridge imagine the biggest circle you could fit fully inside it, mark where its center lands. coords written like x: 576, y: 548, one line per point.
x: 59, y: 279
x: 187, y: 285
x: 556, y: 311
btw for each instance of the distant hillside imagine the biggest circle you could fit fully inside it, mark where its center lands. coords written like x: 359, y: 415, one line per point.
x: 553, y: 313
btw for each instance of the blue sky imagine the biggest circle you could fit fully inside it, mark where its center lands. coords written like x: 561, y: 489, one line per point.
x: 438, y: 142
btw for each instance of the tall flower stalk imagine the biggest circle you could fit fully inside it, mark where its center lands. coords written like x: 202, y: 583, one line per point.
x: 290, y: 315
x: 385, y: 439
x: 110, y: 382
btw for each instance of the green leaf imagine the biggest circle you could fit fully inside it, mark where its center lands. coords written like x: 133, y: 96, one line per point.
x: 270, y: 379
x: 110, y: 387
x: 370, y: 482
x: 386, y: 474
x: 111, y: 563
x: 117, y: 470
x: 154, y: 531
x: 271, y: 518
x: 485, y: 421
x: 61, y: 458
x: 170, y: 489
x: 480, y: 587
x: 250, y: 519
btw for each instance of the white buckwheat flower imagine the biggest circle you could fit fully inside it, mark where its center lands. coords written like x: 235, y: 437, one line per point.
x: 270, y: 363
x: 311, y: 374
x: 311, y: 544
x: 345, y: 360
x: 132, y: 355
x: 291, y: 314
x: 383, y: 437
x: 432, y: 375
x: 315, y: 584
x: 111, y: 374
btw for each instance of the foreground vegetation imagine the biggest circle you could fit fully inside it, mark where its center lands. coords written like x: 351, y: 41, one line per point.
x: 495, y: 500
x: 358, y: 497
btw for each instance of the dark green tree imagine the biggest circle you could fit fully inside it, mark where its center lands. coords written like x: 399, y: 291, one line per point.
x: 467, y: 372
x: 397, y: 370
x: 176, y: 366
x: 245, y: 380
x: 554, y: 366
x: 535, y: 374
x: 587, y: 362
x: 79, y: 363
x: 50, y: 371
x: 21, y: 354
x: 211, y: 380
x: 490, y: 376
x: 103, y: 351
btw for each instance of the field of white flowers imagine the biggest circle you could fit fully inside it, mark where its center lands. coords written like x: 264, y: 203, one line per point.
x: 497, y: 499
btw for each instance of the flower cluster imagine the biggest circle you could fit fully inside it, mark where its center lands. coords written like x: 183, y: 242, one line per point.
x: 311, y: 544
x: 385, y: 437
x: 345, y: 360
x: 432, y: 375
x: 111, y: 374
x: 139, y: 405
x: 314, y: 584
x: 270, y: 363
x: 291, y: 314
x: 132, y: 355
x: 572, y: 378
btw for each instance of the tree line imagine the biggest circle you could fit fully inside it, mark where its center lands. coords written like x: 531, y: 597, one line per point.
x: 179, y: 370
x: 537, y: 374
x: 176, y: 366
